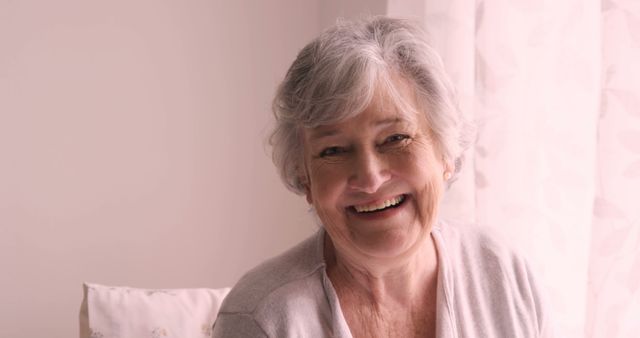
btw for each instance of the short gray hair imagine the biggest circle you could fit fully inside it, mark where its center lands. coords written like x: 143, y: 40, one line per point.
x: 334, y: 77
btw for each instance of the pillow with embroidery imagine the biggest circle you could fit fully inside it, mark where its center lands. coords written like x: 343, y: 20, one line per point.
x: 109, y: 311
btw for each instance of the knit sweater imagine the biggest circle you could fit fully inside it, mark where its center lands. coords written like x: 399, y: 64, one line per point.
x: 484, y: 289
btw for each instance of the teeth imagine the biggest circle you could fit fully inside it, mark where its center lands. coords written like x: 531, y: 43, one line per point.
x: 379, y: 206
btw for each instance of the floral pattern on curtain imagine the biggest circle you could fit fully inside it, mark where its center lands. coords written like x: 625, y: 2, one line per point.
x: 555, y: 89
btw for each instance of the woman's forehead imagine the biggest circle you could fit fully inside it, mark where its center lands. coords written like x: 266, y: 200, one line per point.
x: 373, y: 122
x: 372, y: 119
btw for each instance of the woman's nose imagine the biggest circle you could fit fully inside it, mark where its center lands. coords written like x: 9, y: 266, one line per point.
x: 369, y: 172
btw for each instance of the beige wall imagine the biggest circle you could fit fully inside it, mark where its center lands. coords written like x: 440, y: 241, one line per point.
x: 131, y: 147
x: 330, y: 10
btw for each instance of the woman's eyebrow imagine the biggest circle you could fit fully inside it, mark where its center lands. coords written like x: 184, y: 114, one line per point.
x: 325, y: 131
x: 322, y: 132
x: 389, y: 121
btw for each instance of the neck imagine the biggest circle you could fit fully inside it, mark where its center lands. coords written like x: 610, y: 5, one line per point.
x: 389, y: 282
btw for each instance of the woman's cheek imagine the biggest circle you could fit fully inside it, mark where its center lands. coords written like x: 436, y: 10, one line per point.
x: 325, y: 177
x: 428, y: 198
x: 404, y: 159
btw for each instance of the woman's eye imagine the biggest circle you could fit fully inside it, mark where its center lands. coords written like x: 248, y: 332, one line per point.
x: 396, y: 138
x: 332, y: 151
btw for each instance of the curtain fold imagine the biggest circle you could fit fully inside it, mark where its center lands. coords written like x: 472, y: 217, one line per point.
x: 555, y: 89
x: 614, y: 264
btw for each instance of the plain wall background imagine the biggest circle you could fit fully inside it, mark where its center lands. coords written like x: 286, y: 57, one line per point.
x: 132, y: 146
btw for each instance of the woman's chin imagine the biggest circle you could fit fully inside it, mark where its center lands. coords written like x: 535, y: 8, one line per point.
x: 388, y: 245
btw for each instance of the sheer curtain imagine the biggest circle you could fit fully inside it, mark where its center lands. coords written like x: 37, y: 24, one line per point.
x: 555, y: 89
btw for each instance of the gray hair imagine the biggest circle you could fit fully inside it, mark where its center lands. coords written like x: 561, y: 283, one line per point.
x: 334, y: 77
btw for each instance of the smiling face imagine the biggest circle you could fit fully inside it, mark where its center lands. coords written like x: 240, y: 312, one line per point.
x: 376, y: 179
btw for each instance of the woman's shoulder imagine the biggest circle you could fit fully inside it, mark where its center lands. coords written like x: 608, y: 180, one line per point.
x: 261, y: 282
x: 483, y: 254
x: 279, y: 298
x: 486, y: 273
x: 474, y: 243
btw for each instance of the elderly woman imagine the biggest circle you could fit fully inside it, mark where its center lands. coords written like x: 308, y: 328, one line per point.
x: 368, y: 130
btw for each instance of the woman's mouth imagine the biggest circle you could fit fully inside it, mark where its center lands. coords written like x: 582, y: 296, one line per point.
x: 379, y: 206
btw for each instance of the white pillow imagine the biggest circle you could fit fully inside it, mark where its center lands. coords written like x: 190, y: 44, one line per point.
x: 125, y: 312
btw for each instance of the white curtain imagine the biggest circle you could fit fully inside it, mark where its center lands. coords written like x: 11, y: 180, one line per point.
x: 555, y: 89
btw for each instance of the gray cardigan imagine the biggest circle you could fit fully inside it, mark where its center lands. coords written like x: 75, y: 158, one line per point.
x: 484, y: 290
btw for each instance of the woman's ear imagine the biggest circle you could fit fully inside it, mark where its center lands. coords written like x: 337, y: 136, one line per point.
x: 448, y: 170
x: 307, y: 192
x: 304, y: 181
x: 307, y: 189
